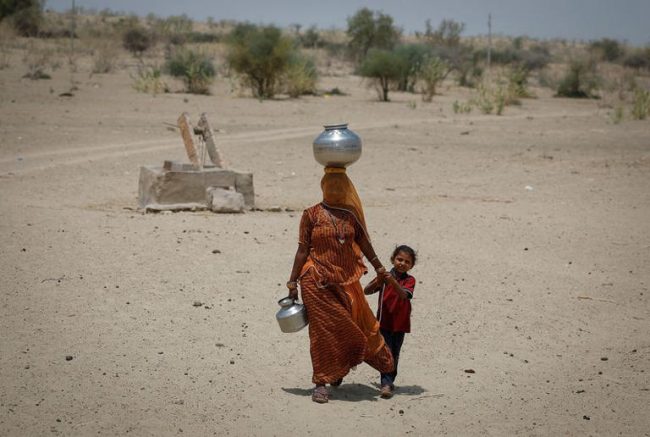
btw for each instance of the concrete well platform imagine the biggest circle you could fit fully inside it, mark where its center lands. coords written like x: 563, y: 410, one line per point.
x: 180, y: 186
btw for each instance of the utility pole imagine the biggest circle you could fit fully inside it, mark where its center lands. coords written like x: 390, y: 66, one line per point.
x: 489, y: 50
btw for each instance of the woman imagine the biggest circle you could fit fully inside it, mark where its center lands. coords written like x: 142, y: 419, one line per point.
x: 343, y: 331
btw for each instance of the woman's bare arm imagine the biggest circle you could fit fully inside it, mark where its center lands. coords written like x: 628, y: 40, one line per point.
x: 298, y: 262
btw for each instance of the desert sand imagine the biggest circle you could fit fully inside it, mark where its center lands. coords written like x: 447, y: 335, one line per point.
x: 532, y: 228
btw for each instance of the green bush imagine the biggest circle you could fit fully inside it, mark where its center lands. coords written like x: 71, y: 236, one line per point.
x: 301, y: 76
x: 195, y: 69
x: 518, y: 82
x: 411, y: 59
x: 137, y: 40
x: 261, y: 55
x: 580, y: 81
x: 433, y: 71
x: 382, y: 68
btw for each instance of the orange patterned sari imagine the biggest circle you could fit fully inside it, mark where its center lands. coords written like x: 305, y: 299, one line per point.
x: 343, y: 331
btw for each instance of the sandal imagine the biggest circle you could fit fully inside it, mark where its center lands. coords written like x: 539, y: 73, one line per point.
x: 386, y: 392
x: 320, y: 394
x: 337, y: 383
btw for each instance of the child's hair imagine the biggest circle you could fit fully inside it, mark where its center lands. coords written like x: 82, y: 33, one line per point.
x: 406, y: 249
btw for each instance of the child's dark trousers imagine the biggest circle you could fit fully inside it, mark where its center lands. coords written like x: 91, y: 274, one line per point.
x: 394, y: 342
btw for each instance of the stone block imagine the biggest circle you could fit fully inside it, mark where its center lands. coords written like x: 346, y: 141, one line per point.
x: 224, y: 200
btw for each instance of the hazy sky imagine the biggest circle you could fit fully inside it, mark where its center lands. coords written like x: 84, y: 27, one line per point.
x: 627, y: 20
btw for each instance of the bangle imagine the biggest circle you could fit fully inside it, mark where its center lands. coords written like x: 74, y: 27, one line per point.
x: 292, y: 284
x: 376, y: 257
x: 379, y: 268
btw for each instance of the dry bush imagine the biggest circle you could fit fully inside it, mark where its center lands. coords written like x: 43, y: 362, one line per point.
x: 641, y: 104
x: 301, y: 77
x: 38, y: 59
x: 105, y: 55
x: 148, y: 79
x: 7, y: 40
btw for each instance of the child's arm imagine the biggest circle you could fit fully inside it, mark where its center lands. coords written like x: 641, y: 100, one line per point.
x: 404, y: 293
x: 373, y: 286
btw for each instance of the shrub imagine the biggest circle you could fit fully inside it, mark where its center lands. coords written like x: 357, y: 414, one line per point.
x: 311, y: 38
x: 301, y: 76
x: 25, y: 15
x: 433, y: 71
x: 37, y: 60
x: 149, y: 80
x: 617, y: 115
x: 462, y: 108
x: 382, y: 68
x: 607, y: 49
x: 641, y: 105
x: 580, y: 80
x: 518, y: 82
x: 195, y: 69
x: 137, y: 40
x: 261, y: 56
x: 411, y: 59
x: 368, y: 29
x: 638, y: 59
x: 104, y: 57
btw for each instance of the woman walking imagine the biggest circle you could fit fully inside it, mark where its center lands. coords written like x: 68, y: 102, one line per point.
x: 343, y: 331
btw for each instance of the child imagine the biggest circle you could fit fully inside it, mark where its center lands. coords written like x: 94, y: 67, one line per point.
x: 394, y: 308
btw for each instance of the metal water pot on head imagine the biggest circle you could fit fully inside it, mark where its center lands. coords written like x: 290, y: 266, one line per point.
x: 337, y: 146
x: 292, y: 317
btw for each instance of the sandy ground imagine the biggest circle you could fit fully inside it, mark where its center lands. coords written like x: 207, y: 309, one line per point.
x: 533, y: 232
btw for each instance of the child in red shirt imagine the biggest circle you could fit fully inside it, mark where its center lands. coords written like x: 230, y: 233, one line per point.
x: 394, y: 308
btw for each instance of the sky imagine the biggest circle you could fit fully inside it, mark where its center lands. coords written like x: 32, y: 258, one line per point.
x: 624, y: 20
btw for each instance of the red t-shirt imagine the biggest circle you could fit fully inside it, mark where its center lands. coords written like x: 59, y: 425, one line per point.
x: 394, y: 313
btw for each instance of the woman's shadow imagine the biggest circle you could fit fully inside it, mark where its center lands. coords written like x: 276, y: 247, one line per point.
x: 358, y: 392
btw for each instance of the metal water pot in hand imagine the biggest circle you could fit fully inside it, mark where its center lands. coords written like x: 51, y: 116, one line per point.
x: 292, y: 317
x: 337, y: 146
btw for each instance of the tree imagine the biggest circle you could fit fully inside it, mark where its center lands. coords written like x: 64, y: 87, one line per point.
x: 447, y: 34
x: 26, y: 15
x: 382, y: 68
x: 368, y: 29
x: 261, y: 55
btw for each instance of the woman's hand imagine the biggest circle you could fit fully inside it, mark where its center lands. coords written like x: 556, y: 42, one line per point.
x: 293, y: 289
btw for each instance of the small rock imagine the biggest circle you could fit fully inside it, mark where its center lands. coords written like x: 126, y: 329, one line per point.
x: 586, y: 417
x: 604, y: 359
x: 401, y: 412
x: 197, y: 303
x: 68, y: 357
x: 470, y: 371
x: 216, y: 251
x: 232, y: 361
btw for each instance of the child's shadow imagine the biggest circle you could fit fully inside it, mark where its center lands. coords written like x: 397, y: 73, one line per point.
x: 357, y: 392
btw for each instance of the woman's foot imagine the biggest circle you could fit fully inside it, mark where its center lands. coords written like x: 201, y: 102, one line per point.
x: 386, y: 392
x: 337, y: 383
x: 320, y: 394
